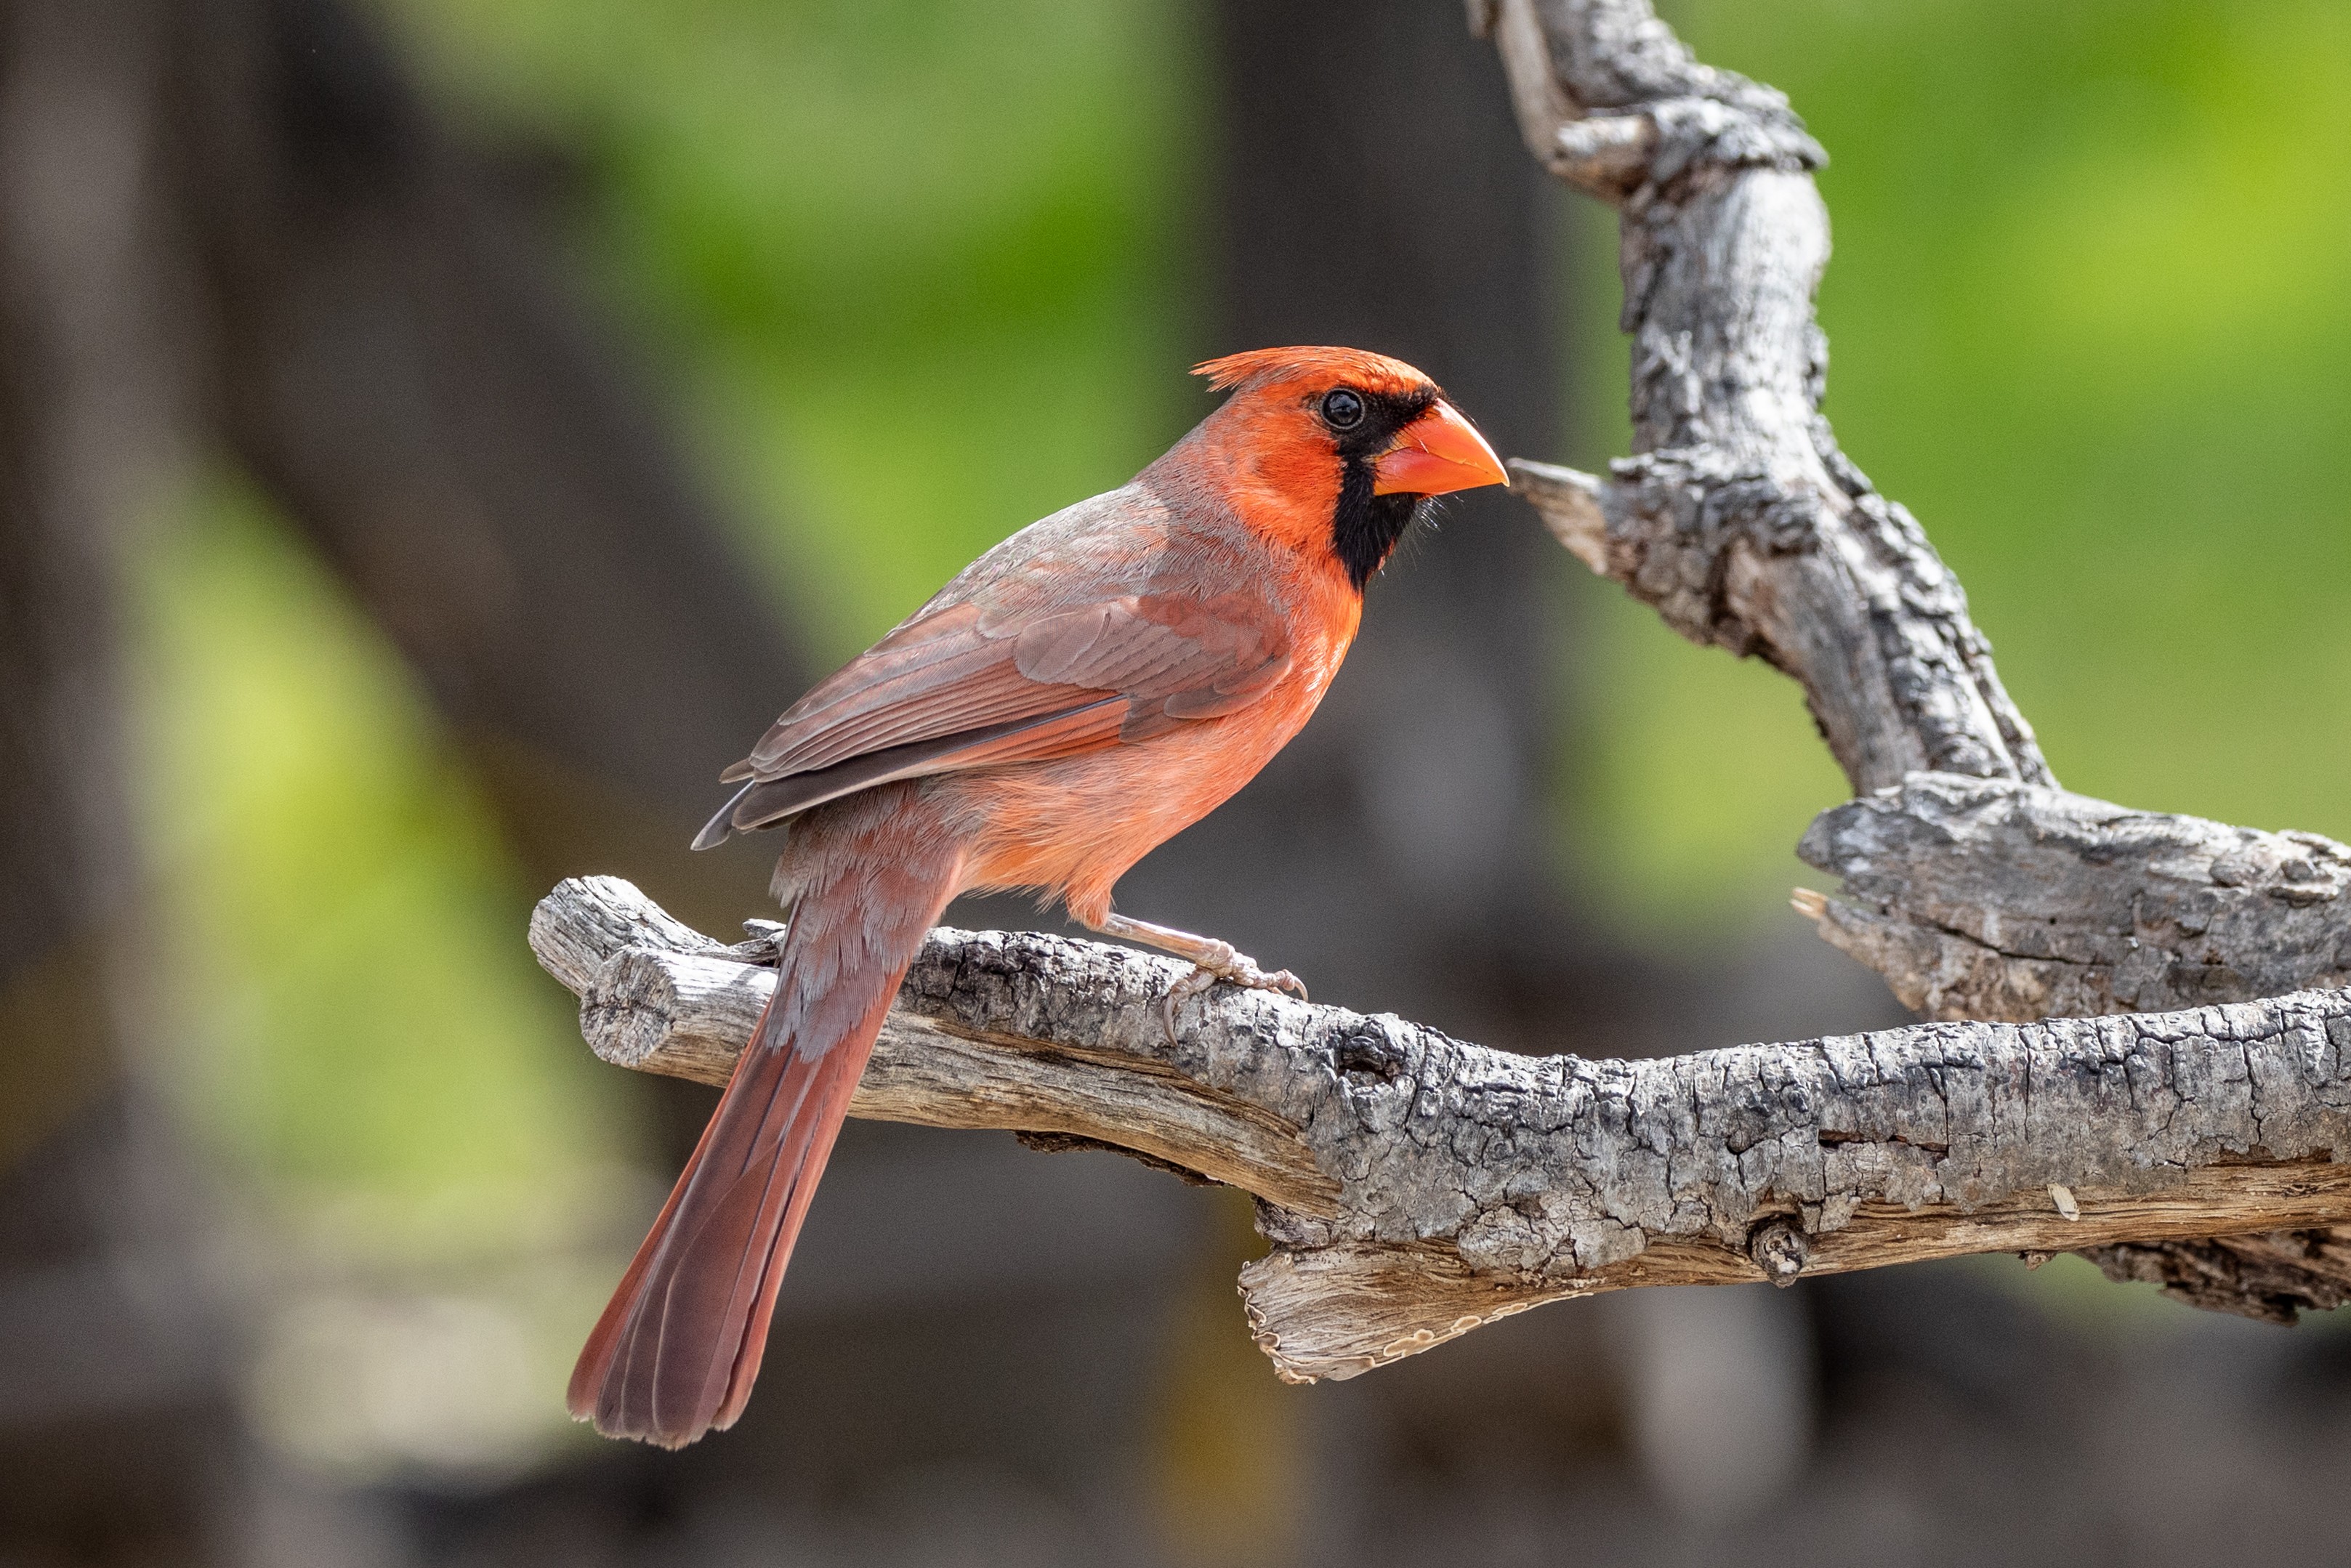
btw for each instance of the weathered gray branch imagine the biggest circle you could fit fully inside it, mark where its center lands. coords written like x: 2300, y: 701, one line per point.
x: 1972, y: 882
x: 1978, y: 898
x: 1738, y: 519
x: 1416, y: 1186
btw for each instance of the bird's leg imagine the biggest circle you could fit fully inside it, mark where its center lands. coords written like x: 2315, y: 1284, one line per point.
x: 1212, y: 960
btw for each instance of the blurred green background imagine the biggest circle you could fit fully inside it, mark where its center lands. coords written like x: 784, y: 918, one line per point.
x: 2088, y: 316
x: 911, y: 272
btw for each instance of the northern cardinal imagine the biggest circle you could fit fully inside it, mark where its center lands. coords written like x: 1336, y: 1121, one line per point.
x: 1093, y: 685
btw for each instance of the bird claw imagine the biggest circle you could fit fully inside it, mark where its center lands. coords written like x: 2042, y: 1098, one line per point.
x: 1234, y: 968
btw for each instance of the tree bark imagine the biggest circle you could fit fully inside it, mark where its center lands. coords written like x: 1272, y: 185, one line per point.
x: 1416, y: 1186
x: 1977, y: 887
x: 1976, y: 898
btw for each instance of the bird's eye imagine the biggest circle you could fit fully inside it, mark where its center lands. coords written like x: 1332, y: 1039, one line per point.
x: 1343, y: 410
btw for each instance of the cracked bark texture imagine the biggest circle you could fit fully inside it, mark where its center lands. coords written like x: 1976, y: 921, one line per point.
x: 1737, y: 518
x: 1415, y: 1185
x: 1980, y: 899
x: 1972, y: 882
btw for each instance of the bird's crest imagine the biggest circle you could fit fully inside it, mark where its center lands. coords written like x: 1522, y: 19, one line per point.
x: 1258, y: 367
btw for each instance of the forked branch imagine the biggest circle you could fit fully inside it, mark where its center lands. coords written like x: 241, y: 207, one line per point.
x: 1972, y: 882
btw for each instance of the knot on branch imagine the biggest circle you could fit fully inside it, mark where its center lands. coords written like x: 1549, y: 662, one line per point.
x: 1841, y: 590
x: 1370, y: 1058
x: 1670, y: 525
x: 1779, y: 1248
x: 2274, y: 1277
x: 1741, y: 124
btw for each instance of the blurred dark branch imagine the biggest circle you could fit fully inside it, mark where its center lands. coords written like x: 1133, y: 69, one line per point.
x: 115, y: 1412
x: 396, y: 357
x: 1416, y: 1186
x: 1973, y: 884
x: 228, y: 226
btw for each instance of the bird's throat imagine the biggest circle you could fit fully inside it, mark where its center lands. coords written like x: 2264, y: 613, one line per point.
x: 1364, y: 528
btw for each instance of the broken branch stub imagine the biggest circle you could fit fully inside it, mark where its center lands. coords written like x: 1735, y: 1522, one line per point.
x: 1981, y: 898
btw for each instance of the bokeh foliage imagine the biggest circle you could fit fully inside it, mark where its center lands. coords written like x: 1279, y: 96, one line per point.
x: 336, y: 891
x: 892, y: 271
x: 2089, y: 317
x: 914, y: 270
x: 909, y: 273
x: 904, y: 276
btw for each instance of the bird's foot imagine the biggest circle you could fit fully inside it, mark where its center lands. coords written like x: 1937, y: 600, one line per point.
x: 1213, y: 959
x: 1221, y: 963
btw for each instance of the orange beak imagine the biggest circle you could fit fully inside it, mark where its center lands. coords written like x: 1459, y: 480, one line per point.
x: 1439, y: 452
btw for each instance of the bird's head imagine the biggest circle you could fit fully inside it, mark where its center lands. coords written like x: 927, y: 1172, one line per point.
x: 1349, y: 444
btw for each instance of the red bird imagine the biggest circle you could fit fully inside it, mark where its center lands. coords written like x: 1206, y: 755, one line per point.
x: 1090, y: 686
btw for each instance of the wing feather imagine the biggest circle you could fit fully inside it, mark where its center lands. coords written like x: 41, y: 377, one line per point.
x: 762, y: 803
x: 979, y: 682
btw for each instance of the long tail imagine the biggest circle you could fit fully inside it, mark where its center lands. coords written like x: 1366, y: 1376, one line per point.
x: 675, y: 1353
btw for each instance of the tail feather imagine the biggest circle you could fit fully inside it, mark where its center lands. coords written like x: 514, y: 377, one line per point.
x: 676, y: 1351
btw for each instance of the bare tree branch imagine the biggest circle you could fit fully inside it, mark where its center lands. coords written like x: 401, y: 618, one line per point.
x: 1416, y: 1186
x: 1993, y: 895
x: 1738, y: 519
x: 1978, y: 899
